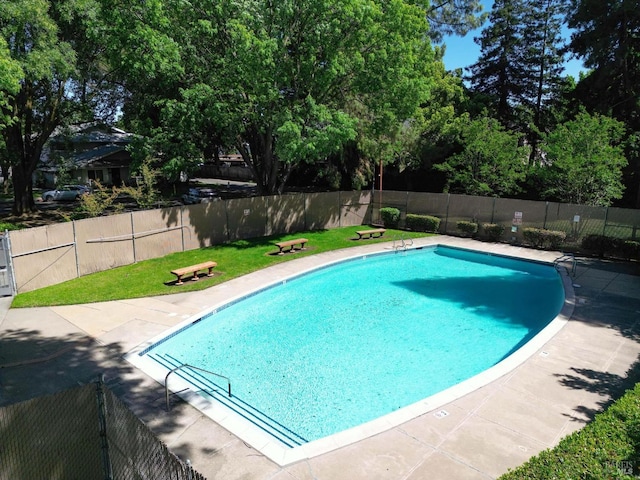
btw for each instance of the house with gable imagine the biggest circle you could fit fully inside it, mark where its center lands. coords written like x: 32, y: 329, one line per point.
x: 85, y: 153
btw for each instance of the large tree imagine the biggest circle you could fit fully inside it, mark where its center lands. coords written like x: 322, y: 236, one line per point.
x: 10, y: 75
x: 607, y: 38
x: 454, y: 17
x: 67, y: 51
x: 47, y: 62
x: 585, y: 161
x: 291, y: 82
x: 543, y: 60
x: 491, y: 163
x: 521, y: 62
x: 499, y: 70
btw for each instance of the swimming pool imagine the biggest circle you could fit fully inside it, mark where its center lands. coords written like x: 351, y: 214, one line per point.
x: 304, y: 366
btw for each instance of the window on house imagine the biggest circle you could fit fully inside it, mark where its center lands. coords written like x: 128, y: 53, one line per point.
x: 96, y: 175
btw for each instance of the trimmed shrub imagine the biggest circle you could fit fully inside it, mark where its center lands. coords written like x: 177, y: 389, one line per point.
x: 493, y: 231
x: 598, y: 244
x: 541, y: 238
x: 468, y: 229
x: 554, y: 239
x: 422, y: 223
x: 390, y: 216
x: 602, y: 246
x: 629, y: 249
x: 533, y: 236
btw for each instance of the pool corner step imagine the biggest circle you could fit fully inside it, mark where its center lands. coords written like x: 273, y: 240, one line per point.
x: 218, y: 393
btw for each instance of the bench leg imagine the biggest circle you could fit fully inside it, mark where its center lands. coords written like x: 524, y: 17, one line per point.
x: 195, y: 277
x: 210, y: 274
x: 179, y: 281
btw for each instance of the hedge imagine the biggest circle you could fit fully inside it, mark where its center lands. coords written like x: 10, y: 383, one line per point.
x: 493, y: 231
x: 602, y: 245
x: 608, y: 447
x: 468, y: 229
x: 422, y: 223
x: 390, y: 216
x: 541, y: 238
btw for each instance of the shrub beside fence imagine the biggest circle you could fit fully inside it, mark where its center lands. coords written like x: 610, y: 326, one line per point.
x: 48, y: 255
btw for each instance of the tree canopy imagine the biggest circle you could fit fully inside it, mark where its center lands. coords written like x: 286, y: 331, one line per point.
x: 329, y: 90
x: 290, y: 82
x: 492, y: 162
x: 586, y: 161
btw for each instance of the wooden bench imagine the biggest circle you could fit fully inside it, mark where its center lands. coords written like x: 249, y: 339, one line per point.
x: 376, y: 232
x: 291, y: 244
x: 179, y: 272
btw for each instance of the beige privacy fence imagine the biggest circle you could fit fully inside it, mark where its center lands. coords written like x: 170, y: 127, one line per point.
x: 52, y: 254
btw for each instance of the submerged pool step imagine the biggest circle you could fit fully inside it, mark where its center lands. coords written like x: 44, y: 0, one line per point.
x: 217, y: 392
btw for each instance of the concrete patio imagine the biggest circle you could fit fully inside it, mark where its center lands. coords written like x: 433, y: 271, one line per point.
x: 481, y: 435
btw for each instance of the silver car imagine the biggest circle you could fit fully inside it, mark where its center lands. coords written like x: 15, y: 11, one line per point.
x: 65, y: 193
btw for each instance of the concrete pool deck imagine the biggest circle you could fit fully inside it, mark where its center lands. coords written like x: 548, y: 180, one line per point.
x: 481, y: 435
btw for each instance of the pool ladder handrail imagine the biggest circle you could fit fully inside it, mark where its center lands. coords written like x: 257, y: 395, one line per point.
x: 564, y: 258
x: 185, y: 365
x: 403, y: 244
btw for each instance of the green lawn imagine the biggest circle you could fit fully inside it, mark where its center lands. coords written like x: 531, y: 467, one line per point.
x: 153, y: 277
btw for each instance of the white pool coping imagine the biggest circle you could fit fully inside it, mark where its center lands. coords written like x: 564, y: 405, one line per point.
x: 284, y: 455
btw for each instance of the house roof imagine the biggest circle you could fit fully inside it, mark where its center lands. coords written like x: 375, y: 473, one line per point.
x: 98, y: 155
x: 87, y: 145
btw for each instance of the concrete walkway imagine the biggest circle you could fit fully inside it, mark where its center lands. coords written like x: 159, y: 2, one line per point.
x: 483, y: 434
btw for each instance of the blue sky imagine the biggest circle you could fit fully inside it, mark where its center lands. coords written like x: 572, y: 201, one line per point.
x: 463, y: 52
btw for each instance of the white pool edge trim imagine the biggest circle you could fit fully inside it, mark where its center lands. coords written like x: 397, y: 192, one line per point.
x: 284, y: 455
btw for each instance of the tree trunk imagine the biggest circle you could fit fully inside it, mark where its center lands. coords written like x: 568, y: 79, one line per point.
x: 259, y: 157
x: 23, y: 191
x: 5, y: 168
x: 24, y: 155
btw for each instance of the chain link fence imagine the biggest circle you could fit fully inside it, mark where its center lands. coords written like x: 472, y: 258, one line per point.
x: 84, y: 433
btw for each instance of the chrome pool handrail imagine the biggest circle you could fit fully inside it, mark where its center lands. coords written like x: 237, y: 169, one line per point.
x: 166, y: 387
x: 564, y: 258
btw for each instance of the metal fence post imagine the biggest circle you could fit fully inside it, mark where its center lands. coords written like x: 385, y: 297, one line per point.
x: 102, y: 422
x: 226, y: 216
x: 546, y: 214
x: 133, y: 237
x: 446, y: 215
x: 75, y: 249
x: 182, y: 227
x: 493, y: 210
x: 9, y: 257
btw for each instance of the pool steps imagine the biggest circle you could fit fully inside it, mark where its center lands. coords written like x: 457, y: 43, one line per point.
x: 218, y: 393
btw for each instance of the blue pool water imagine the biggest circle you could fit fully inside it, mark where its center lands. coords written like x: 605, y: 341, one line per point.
x: 346, y: 344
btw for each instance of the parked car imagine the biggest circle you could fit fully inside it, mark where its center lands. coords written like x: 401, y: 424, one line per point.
x: 66, y: 193
x: 199, y: 195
